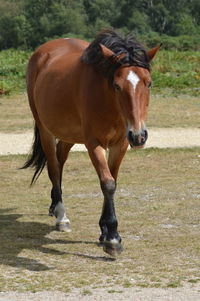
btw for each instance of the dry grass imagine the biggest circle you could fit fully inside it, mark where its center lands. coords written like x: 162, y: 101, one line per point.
x: 158, y: 207
x: 166, y: 111
x: 170, y: 111
x: 15, y: 114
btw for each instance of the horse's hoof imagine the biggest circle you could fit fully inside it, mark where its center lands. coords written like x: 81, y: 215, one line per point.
x: 113, y: 249
x: 63, y: 227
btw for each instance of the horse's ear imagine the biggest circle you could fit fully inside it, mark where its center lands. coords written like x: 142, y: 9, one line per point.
x: 152, y: 52
x: 109, y: 53
x: 106, y: 51
x: 121, y: 56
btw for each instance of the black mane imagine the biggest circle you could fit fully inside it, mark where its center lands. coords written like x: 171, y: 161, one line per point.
x: 135, y: 54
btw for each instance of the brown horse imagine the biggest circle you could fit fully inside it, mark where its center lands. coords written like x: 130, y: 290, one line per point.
x: 96, y: 94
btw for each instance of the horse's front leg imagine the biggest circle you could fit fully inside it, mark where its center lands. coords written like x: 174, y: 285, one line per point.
x: 110, y: 237
x: 116, y: 154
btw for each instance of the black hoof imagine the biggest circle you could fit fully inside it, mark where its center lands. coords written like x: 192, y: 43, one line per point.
x: 63, y: 227
x: 113, y: 249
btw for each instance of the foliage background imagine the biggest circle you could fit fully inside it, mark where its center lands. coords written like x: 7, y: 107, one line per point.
x: 28, y: 23
x: 25, y: 24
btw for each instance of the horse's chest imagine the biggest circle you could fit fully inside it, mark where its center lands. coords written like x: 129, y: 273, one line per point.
x: 110, y: 135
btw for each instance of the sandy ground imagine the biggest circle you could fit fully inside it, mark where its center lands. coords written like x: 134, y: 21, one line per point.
x: 161, y: 138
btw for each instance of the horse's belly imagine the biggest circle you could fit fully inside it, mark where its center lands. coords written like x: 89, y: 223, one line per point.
x: 65, y: 126
x: 60, y: 119
x: 58, y: 109
x: 69, y: 133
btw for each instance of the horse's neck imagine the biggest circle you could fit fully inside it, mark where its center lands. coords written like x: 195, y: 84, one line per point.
x: 113, y: 105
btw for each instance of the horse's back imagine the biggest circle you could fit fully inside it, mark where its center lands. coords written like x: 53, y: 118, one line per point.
x: 62, y: 46
x: 59, y: 49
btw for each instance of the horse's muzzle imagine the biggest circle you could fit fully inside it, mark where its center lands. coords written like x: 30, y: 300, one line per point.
x: 137, y: 140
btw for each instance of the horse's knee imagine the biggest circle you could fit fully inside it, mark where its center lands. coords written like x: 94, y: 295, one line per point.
x: 108, y: 187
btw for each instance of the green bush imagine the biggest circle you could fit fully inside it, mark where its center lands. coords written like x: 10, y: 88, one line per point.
x: 12, y: 70
x: 180, y: 43
x: 176, y: 70
x: 26, y: 24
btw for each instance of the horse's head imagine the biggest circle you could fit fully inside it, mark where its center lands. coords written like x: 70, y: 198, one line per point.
x: 132, y: 85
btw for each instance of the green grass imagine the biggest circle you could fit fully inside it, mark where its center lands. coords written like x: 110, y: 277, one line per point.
x: 176, y: 72
x: 173, y: 72
x: 157, y: 204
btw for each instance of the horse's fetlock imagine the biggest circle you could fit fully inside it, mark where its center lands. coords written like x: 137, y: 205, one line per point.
x: 112, y: 224
x: 56, y: 194
x: 114, y: 237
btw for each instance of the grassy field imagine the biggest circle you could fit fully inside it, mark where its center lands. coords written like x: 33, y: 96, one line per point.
x: 157, y: 203
x: 169, y: 111
x: 174, y: 101
x: 175, y: 92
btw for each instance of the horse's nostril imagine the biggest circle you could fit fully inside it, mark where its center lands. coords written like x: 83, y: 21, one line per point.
x: 130, y: 136
x: 145, y: 134
x: 137, y: 139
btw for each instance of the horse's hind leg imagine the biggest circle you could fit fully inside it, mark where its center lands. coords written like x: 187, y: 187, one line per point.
x: 55, y: 173
x: 62, y: 151
x: 62, y: 222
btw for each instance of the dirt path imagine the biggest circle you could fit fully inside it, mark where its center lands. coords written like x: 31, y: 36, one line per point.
x: 161, y: 138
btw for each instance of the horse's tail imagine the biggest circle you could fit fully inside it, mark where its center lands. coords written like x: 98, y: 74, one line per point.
x: 36, y: 159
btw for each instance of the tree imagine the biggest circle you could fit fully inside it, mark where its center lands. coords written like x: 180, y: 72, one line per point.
x: 28, y: 23
x: 49, y: 18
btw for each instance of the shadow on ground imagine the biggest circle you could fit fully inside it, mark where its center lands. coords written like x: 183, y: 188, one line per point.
x: 15, y: 236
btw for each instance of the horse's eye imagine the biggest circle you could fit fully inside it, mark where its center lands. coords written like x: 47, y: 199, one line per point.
x: 149, y: 84
x: 116, y: 86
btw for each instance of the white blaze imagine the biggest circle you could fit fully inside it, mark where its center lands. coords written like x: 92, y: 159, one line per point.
x: 133, y: 78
